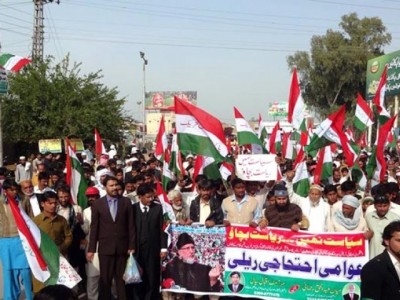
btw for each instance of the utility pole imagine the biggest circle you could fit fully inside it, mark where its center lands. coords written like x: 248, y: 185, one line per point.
x: 38, y: 28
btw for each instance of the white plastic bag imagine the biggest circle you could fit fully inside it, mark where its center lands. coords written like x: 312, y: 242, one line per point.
x: 132, y: 274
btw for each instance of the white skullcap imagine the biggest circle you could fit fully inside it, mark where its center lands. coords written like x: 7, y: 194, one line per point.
x: 351, y: 201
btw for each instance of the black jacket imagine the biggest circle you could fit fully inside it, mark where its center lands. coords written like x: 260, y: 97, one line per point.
x: 216, y: 213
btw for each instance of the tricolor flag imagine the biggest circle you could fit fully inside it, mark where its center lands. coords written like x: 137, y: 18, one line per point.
x: 296, y: 102
x: 363, y: 114
x: 100, y: 149
x: 379, y: 99
x: 75, y: 178
x: 331, y: 131
x: 199, y: 132
x: 206, y: 166
x: 246, y: 135
x: 161, y: 141
x: 12, y: 62
x: 167, y: 175
x: 301, y: 184
x: 226, y: 170
x: 288, y: 148
x: 323, y: 170
x: 44, y: 259
x: 275, y: 140
x: 176, y: 164
x: 168, y: 212
x: 377, y: 163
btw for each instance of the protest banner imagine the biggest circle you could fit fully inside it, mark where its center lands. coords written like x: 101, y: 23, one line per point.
x: 267, y: 264
x: 260, y: 167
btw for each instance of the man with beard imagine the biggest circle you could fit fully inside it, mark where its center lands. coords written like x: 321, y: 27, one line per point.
x: 205, y: 209
x: 23, y: 170
x: 283, y: 213
x: 187, y: 273
x: 349, y: 218
x: 92, y: 268
x: 30, y: 203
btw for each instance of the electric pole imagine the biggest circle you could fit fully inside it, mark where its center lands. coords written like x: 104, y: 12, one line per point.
x: 38, y: 28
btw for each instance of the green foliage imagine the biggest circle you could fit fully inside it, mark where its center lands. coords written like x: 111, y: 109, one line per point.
x: 47, y: 101
x: 335, y: 69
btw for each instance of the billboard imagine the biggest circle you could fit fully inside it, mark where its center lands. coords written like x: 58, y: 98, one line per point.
x: 165, y: 100
x: 375, y: 68
x: 278, y: 109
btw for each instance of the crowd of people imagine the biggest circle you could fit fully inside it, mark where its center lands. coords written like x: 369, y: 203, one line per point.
x: 123, y: 216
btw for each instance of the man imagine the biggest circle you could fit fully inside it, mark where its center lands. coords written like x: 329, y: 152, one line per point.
x: 235, y: 286
x: 349, y: 218
x: 377, y: 220
x: 93, y: 268
x: 313, y: 207
x: 283, y: 213
x: 151, y: 242
x: 205, y: 209
x: 23, y: 171
x: 35, y: 177
x: 240, y: 208
x: 43, y: 183
x: 187, y: 273
x: 380, y: 277
x: 12, y: 255
x: 113, y: 228
x: 351, y: 295
x: 331, y: 197
x: 30, y: 202
x: 54, y: 225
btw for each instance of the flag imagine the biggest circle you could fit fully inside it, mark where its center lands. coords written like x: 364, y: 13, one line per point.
x: 379, y: 99
x: 75, y: 178
x: 100, y: 149
x: 296, y: 102
x: 168, y: 212
x: 167, y: 175
x: 331, y: 131
x: 12, y: 62
x: 301, y: 184
x: 275, y: 143
x: 377, y: 163
x: 288, y: 150
x: 362, y: 140
x: 206, y: 166
x: 363, y: 114
x: 323, y: 169
x: 199, y: 132
x: 245, y: 134
x: 175, y: 164
x: 226, y: 170
x: 161, y: 141
x: 44, y: 259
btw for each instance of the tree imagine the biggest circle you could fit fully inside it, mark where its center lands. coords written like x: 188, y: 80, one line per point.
x: 47, y: 101
x: 335, y: 69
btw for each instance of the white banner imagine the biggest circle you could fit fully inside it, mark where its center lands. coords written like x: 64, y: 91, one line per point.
x: 259, y: 167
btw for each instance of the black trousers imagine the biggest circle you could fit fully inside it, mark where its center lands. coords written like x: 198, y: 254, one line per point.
x: 112, y: 267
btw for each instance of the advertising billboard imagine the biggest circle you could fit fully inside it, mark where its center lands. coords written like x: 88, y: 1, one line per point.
x: 278, y: 109
x: 375, y: 68
x: 165, y: 100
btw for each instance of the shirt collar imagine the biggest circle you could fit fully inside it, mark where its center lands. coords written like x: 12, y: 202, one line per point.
x: 109, y: 199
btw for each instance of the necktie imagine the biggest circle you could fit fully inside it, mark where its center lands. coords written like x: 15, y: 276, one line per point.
x: 145, y: 210
x: 113, y: 209
x: 235, y: 288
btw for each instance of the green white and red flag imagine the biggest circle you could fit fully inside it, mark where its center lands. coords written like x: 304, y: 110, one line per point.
x: 100, y: 149
x: 376, y: 162
x: 323, y: 170
x: 288, y: 147
x: 226, y: 169
x: 331, y: 131
x: 379, y: 98
x: 301, y: 184
x: 275, y: 140
x: 363, y: 114
x: 75, y: 178
x: 199, y: 132
x: 206, y: 166
x: 296, y: 102
x: 176, y: 164
x: 168, y: 212
x: 246, y: 135
x: 12, y: 62
x: 45, y: 261
x: 161, y: 142
x: 362, y: 140
x: 167, y: 175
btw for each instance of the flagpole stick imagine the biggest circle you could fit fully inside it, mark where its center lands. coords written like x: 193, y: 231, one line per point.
x: 369, y: 130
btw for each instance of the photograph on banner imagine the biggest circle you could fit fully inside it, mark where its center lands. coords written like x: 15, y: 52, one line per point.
x: 196, y: 260
x: 164, y: 100
x: 283, y: 264
x: 260, y: 167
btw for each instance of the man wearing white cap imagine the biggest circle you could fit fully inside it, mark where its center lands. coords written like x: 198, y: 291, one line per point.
x: 23, y: 170
x: 313, y: 206
x: 349, y: 218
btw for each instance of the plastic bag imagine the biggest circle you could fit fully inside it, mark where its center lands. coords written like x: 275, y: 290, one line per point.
x: 132, y: 274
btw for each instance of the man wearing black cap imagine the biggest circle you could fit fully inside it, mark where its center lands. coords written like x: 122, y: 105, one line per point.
x: 187, y: 273
x: 283, y: 213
